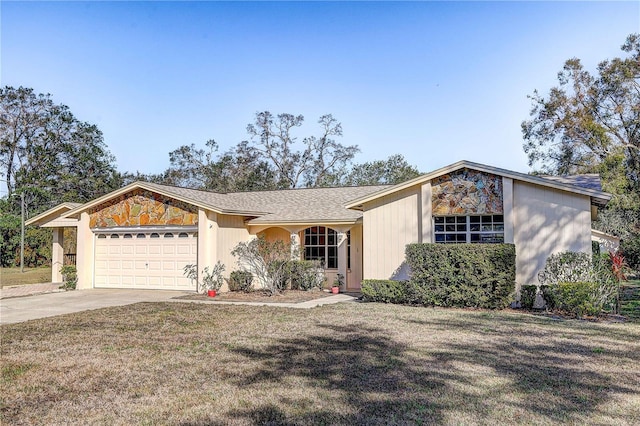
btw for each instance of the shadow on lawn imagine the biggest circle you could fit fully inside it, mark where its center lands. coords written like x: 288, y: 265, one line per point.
x: 371, y: 379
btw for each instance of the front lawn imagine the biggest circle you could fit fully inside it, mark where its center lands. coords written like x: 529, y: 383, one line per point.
x: 13, y: 276
x: 630, y: 299
x: 355, y: 363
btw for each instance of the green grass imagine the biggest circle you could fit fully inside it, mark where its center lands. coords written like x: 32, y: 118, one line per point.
x: 630, y: 300
x: 347, y: 364
x: 13, y: 276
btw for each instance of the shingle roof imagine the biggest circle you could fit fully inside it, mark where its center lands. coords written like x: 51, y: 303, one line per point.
x: 290, y: 205
x: 303, y: 205
x: 266, y: 207
x: 588, y: 181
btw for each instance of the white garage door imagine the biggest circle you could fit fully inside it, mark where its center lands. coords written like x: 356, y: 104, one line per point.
x: 145, y: 260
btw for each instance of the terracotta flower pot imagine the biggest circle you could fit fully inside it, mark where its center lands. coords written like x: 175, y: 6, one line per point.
x: 335, y: 290
x: 211, y: 293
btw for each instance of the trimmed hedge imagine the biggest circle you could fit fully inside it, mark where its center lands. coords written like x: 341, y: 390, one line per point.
x: 462, y: 275
x: 386, y: 291
x: 528, y: 296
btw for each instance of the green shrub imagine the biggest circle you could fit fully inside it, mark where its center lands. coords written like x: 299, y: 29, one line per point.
x: 528, y: 296
x: 568, y: 267
x: 579, y: 283
x: 69, y: 276
x: 240, y: 281
x: 462, y: 275
x: 549, y: 296
x: 306, y: 274
x: 386, y: 291
x: 584, y: 298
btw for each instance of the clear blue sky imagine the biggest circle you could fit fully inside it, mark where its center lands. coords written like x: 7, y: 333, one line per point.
x: 435, y: 81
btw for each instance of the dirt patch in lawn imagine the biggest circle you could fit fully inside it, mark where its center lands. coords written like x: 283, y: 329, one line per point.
x: 345, y: 364
x: 259, y: 296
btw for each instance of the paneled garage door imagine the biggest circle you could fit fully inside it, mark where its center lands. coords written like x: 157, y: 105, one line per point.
x: 145, y: 260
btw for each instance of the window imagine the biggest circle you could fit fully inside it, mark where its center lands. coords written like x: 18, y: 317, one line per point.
x: 168, y: 235
x: 127, y: 236
x: 101, y: 236
x: 141, y: 236
x: 183, y: 235
x: 321, y: 243
x: 154, y: 235
x: 469, y: 229
x: 115, y: 236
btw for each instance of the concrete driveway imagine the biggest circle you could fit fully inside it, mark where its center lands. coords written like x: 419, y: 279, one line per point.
x: 21, y: 309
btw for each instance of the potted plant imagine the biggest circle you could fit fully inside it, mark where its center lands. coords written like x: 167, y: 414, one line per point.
x: 337, y: 283
x: 212, y: 280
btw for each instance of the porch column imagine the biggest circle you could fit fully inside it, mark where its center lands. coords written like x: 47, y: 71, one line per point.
x: 295, y: 246
x: 85, y: 253
x: 57, y: 255
x: 342, y: 257
x: 207, y: 242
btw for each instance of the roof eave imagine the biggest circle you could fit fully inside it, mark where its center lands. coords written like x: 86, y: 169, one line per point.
x: 310, y: 222
x: 52, y: 211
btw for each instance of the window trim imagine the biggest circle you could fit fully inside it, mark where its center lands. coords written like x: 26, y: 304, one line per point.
x: 451, y: 225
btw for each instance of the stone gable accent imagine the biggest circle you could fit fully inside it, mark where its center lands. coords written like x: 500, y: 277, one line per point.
x: 465, y: 192
x: 142, y: 208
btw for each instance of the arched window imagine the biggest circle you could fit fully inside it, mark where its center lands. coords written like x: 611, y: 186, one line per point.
x: 321, y: 243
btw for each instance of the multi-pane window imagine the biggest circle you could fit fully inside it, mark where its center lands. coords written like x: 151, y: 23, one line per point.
x: 321, y: 243
x: 469, y: 229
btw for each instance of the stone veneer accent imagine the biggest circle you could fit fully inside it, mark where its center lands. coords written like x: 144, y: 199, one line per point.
x: 466, y: 192
x: 140, y: 208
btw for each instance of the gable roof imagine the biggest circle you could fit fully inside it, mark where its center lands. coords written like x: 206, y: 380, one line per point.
x: 568, y: 183
x: 51, y: 214
x: 264, y: 207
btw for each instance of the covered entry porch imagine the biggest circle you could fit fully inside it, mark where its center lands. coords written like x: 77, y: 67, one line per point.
x: 337, y: 246
x: 64, y: 241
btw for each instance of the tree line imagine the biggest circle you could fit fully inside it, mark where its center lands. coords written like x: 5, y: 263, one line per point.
x: 588, y: 123
x: 50, y: 156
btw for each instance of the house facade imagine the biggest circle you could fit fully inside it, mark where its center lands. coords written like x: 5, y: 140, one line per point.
x: 143, y: 235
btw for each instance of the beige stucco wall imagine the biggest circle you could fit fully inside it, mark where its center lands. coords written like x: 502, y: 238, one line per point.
x: 547, y: 221
x: 231, y: 231
x: 86, y: 253
x: 207, y: 238
x: 389, y: 224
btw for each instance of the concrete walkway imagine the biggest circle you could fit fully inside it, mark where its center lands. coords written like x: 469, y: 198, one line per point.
x: 329, y: 300
x: 20, y: 309
x: 29, y: 290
